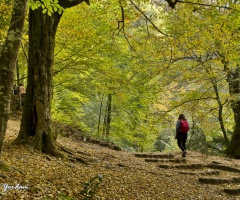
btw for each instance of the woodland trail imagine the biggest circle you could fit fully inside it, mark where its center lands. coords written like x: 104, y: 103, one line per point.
x: 127, y: 176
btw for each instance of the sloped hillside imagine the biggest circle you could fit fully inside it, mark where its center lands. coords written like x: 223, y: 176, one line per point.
x: 148, y: 176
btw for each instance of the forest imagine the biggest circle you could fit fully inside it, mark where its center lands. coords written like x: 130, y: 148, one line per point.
x: 120, y: 72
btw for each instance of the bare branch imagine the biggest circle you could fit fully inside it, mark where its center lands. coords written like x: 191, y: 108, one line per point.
x: 207, y: 5
x: 148, y: 19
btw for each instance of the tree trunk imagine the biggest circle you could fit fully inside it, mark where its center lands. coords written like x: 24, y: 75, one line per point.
x: 109, y: 115
x: 220, y: 111
x: 220, y: 105
x: 36, y: 118
x: 233, y: 149
x: 18, y: 87
x: 233, y: 79
x: 8, y: 59
x: 100, y: 115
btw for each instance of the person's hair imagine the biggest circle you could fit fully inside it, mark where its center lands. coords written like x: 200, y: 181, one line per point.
x: 20, y: 84
x: 182, y: 117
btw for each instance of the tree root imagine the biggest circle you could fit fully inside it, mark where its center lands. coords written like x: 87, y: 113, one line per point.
x: 76, y: 158
x: 79, y: 159
x: 65, y: 149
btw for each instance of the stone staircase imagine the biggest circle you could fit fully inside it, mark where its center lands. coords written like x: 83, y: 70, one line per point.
x: 202, y: 171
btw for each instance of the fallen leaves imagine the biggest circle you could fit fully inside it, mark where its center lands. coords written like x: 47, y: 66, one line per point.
x: 126, y: 177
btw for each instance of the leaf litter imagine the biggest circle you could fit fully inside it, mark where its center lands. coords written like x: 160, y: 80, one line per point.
x: 125, y: 177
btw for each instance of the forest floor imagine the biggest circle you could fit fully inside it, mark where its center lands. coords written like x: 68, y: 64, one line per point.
x: 125, y: 176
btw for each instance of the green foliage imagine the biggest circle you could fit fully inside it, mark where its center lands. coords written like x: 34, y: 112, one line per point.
x: 161, y: 143
x: 90, y: 188
x: 66, y: 107
x: 151, y: 77
x: 5, y: 9
x: 48, y: 6
x: 63, y: 196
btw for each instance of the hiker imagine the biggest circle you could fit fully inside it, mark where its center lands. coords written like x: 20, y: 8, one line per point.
x: 182, y: 129
x: 22, y: 89
x: 22, y: 92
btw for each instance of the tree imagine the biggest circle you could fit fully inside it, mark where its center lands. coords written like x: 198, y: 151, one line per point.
x: 8, y: 58
x: 36, y: 118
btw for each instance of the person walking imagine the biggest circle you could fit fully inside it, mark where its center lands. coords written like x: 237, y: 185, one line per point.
x: 22, y: 89
x: 22, y: 92
x: 182, y: 128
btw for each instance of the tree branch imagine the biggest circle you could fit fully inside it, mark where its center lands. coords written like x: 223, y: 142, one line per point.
x: 71, y: 3
x: 148, y: 18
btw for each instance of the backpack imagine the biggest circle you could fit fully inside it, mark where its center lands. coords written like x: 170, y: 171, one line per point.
x: 184, y: 126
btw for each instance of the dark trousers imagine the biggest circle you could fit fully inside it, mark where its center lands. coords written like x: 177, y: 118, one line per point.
x: 181, y: 140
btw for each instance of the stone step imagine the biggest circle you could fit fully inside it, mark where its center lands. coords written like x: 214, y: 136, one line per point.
x: 166, y: 160
x: 201, y: 173
x: 199, y: 166
x: 147, y: 155
x: 216, y: 181
x: 223, y: 167
x: 232, y: 191
x: 188, y: 166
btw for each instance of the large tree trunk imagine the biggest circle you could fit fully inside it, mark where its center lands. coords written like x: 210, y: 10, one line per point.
x: 8, y: 59
x: 233, y: 149
x: 36, y: 118
x: 233, y: 78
